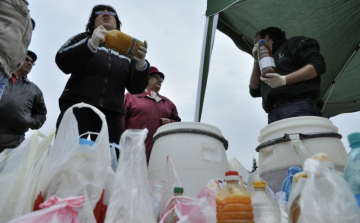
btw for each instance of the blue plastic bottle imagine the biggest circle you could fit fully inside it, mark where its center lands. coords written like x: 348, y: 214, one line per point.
x: 352, y: 168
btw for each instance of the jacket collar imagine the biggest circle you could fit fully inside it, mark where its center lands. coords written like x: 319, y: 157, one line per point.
x: 144, y: 95
x: 277, y: 44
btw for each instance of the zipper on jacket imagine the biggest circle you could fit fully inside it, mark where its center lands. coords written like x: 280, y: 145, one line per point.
x: 106, y: 78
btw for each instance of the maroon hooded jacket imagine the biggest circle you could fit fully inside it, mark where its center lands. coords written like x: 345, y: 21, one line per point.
x: 142, y: 112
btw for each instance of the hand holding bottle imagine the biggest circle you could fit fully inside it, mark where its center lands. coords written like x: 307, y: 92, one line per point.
x: 255, y: 52
x: 140, y: 56
x: 274, y: 80
x: 98, y: 37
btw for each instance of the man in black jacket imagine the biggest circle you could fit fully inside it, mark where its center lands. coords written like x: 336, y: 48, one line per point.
x: 99, y: 75
x: 22, y: 106
x: 292, y: 91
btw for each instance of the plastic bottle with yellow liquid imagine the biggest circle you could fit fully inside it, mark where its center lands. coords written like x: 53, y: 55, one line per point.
x: 265, y: 58
x: 124, y: 44
x: 233, y: 202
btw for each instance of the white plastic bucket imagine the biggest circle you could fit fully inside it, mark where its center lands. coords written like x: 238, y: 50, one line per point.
x: 198, y: 152
x: 276, y: 152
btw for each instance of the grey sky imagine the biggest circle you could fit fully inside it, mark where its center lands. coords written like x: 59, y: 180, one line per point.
x: 174, y: 32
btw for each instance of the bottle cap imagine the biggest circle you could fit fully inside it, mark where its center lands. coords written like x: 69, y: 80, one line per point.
x: 354, y: 138
x: 178, y: 190
x: 261, y: 41
x: 232, y: 173
x: 261, y: 184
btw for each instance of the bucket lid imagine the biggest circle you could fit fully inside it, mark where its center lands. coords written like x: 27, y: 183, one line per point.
x: 178, y: 190
x: 354, y: 138
x: 261, y: 184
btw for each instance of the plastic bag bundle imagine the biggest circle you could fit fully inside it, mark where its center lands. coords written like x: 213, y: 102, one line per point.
x: 74, y: 169
x: 172, y: 180
x: 131, y: 201
x: 54, y: 210
x: 326, y: 197
x: 19, y: 175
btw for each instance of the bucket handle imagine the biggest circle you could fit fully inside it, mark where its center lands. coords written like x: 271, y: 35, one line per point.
x: 286, y: 138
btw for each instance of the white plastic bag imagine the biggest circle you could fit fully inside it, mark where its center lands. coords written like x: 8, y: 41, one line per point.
x: 131, y: 201
x: 19, y: 176
x: 156, y: 188
x: 235, y: 165
x: 74, y: 169
x: 326, y: 197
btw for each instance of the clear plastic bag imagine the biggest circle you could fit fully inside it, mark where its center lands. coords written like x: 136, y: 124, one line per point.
x: 326, y: 197
x: 74, y: 169
x: 19, y: 175
x: 281, y: 200
x: 155, y: 188
x: 172, y: 180
x: 55, y: 211
x: 131, y: 201
x: 235, y: 165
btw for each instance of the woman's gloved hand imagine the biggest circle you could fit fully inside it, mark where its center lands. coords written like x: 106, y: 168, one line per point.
x: 98, y: 37
x: 140, y: 56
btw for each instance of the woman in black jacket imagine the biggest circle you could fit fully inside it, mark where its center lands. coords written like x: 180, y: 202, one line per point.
x: 99, y: 75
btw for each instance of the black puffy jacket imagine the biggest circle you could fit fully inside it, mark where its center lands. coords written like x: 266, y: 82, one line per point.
x: 98, y: 78
x: 22, y: 107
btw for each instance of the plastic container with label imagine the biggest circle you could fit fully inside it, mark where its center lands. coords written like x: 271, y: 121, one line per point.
x: 265, y: 58
x: 122, y: 43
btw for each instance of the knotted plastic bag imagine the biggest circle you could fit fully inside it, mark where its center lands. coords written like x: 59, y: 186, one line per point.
x: 326, y: 197
x: 131, y: 201
x: 20, y: 168
x: 54, y: 210
x: 74, y: 169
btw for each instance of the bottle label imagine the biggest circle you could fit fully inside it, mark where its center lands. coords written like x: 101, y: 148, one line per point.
x: 266, y: 62
x: 134, y: 46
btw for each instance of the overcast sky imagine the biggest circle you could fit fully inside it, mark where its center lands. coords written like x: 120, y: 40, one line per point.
x: 174, y: 32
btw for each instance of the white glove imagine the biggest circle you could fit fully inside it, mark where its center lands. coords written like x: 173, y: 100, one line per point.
x: 140, y: 56
x: 274, y: 80
x: 254, y: 52
x: 98, y: 37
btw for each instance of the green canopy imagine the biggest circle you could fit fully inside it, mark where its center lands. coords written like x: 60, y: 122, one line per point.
x: 334, y: 23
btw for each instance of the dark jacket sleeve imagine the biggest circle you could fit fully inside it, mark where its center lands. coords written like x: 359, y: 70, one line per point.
x: 38, y: 113
x: 307, y: 51
x: 74, y: 54
x: 255, y: 93
x: 138, y: 80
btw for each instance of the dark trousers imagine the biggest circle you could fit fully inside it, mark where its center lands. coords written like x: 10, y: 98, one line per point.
x: 293, y: 108
x: 89, y: 121
x: 10, y: 141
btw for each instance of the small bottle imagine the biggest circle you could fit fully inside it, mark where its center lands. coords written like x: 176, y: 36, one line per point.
x: 122, y: 43
x: 178, y: 191
x: 265, y: 58
x: 266, y: 209
x: 352, y: 168
x: 233, y: 202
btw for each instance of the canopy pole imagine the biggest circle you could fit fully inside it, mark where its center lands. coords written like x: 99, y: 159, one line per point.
x: 333, y: 83
x: 208, y: 42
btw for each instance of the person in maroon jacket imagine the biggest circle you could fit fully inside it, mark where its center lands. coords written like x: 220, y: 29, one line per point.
x: 150, y: 109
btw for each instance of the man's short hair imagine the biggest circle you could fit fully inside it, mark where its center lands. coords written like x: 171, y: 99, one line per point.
x: 274, y: 33
x: 90, y: 26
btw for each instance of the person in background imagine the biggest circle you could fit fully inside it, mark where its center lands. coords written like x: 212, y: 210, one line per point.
x: 15, y: 34
x: 149, y: 109
x: 99, y: 75
x: 21, y: 107
x: 293, y: 90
